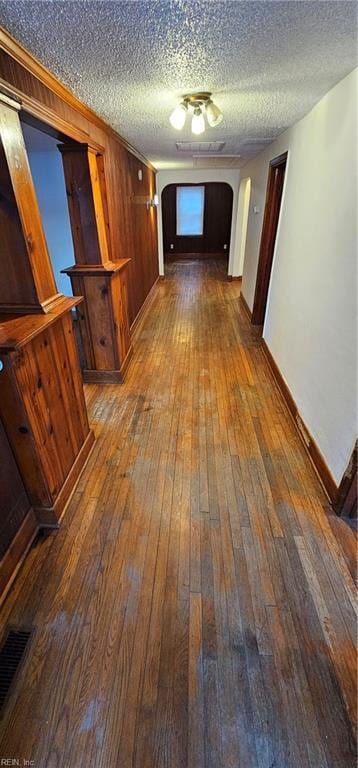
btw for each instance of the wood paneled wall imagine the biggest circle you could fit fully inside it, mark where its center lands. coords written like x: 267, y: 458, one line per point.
x: 14, y: 504
x: 217, y: 220
x: 144, y: 265
x: 132, y: 225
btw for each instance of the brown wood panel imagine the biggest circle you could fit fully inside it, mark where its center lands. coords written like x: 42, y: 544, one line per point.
x: 97, y: 293
x: 103, y: 319
x: 18, y: 522
x: 42, y: 405
x: 16, y: 552
x: 143, y: 270
x: 119, y: 300
x: 85, y: 337
x: 14, y: 503
x: 16, y: 284
x: 27, y: 282
x: 80, y: 204
x: 197, y: 608
x: 100, y: 167
x: 85, y: 204
x: 133, y: 232
x: 217, y: 221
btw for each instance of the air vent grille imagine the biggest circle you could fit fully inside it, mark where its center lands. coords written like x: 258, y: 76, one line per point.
x: 216, y: 161
x: 200, y: 146
x: 258, y: 140
x: 254, y: 146
x: 12, y: 655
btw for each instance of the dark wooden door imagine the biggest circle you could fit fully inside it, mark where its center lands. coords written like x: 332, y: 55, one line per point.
x: 14, y: 503
x: 275, y: 182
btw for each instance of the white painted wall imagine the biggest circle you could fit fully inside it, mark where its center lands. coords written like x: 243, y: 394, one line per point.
x: 48, y: 177
x: 311, y: 320
x: 175, y: 176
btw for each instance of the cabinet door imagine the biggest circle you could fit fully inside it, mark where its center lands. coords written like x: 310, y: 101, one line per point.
x: 14, y: 503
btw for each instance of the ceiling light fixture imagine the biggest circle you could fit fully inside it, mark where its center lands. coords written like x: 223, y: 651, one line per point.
x: 200, y: 103
x: 213, y: 114
x: 178, y: 116
x: 198, y: 122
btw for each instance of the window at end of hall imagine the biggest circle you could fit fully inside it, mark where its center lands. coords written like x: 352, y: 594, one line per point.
x: 190, y: 211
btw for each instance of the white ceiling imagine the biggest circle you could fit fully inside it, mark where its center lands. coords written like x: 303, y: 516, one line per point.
x: 267, y: 63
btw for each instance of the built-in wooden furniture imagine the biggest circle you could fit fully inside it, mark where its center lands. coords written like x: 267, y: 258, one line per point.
x: 109, y: 184
x: 103, y: 316
x: 45, y: 435
x: 129, y: 177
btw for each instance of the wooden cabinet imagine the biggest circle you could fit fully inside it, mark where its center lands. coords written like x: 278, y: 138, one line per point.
x: 42, y: 406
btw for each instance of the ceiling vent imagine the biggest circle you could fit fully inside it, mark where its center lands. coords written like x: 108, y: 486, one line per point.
x: 254, y: 146
x: 216, y: 161
x: 200, y: 146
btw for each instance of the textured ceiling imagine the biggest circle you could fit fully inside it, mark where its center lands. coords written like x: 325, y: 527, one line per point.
x: 267, y: 63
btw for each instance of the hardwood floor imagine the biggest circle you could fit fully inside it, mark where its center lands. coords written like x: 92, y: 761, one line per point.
x: 196, y: 609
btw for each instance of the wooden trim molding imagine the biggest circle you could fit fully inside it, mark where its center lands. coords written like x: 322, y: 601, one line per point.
x: 274, y: 191
x: 36, y: 68
x: 12, y: 561
x: 307, y: 440
x: 194, y: 255
x: 115, y: 376
x: 245, y: 306
x: 144, y: 308
x: 51, y: 517
x: 42, y: 117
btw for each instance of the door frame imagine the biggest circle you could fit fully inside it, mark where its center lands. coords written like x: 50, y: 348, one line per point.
x: 274, y: 190
x: 346, y: 503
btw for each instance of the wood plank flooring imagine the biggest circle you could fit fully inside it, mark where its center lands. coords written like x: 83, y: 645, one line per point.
x: 196, y: 609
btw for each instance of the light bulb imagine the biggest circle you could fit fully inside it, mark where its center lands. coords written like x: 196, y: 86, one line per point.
x: 177, y: 117
x: 213, y: 114
x: 198, y: 122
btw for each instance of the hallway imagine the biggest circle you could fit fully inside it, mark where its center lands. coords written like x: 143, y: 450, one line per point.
x: 196, y: 607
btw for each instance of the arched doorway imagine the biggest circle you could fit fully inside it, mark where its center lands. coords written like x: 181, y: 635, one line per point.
x: 197, y: 220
